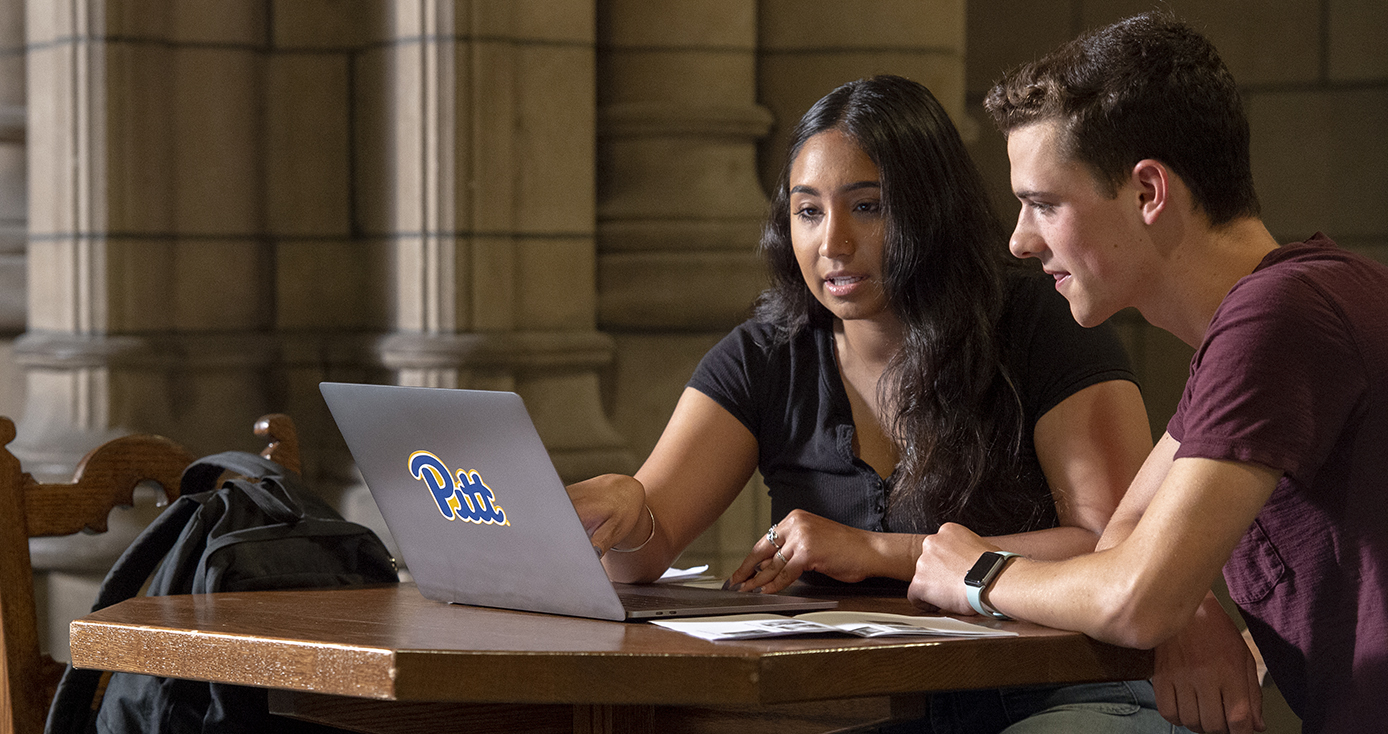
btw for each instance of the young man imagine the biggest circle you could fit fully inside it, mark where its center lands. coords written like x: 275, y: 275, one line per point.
x: 1129, y: 152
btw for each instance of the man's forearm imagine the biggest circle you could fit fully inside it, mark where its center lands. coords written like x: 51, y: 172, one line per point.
x: 1140, y: 493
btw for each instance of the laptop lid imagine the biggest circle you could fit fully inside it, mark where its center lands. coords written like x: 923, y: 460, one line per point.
x: 480, y: 514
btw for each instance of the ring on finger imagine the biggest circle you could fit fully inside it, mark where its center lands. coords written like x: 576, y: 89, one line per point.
x: 782, y: 557
x: 773, y: 538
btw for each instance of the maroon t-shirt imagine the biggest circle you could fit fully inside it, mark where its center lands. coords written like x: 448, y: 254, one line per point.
x: 1293, y: 374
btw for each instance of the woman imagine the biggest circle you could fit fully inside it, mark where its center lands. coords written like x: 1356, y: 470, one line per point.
x: 898, y: 374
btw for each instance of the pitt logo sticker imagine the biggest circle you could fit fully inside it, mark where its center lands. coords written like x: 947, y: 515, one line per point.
x: 461, y: 496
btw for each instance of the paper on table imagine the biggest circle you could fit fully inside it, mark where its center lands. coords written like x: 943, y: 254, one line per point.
x: 862, y: 624
x: 682, y: 574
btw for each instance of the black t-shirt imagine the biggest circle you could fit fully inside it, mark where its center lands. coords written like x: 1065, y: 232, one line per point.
x: 790, y: 396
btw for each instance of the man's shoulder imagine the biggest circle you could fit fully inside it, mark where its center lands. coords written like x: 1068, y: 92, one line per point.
x: 1319, y: 257
x: 1316, y: 271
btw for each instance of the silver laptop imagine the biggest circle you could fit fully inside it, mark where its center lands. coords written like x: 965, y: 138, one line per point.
x: 481, y: 516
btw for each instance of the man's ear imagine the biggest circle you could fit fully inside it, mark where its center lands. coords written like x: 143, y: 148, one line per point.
x: 1153, y: 181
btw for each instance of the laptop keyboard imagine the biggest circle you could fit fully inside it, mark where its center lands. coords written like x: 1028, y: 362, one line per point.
x: 636, y: 601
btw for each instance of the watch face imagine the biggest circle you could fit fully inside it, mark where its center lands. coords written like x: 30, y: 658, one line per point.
x: 982, y: 571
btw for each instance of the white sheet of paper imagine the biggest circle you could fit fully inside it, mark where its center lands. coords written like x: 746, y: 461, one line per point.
x: 862, y: 624
x: 682, y: 574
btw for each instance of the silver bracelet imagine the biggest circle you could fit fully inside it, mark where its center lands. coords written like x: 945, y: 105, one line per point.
x: 644, y: 542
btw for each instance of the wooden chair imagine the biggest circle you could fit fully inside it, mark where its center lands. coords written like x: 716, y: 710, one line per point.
x: 106, y: 477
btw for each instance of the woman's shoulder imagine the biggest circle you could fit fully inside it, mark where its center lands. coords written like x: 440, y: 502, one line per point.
x: 747, y: 348
x: 759, y: 353
x: 760, y: 331
x: 1053, y: 355
x: 1030, y: 299
x: 758, y: 364
x: 1024, y: 286
x: 771, y: 339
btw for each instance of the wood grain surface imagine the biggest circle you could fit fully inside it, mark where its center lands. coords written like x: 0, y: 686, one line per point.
x: 390, y: 643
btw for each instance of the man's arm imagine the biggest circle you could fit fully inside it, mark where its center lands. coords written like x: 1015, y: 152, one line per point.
x: 1143, y: 588
x: 1205, y: 678
x: 1140, y: 493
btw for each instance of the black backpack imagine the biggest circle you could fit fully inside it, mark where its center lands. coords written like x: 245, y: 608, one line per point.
x: 265, y: 531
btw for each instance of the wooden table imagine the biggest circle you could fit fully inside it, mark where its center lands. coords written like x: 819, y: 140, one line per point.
x: 386, y: 659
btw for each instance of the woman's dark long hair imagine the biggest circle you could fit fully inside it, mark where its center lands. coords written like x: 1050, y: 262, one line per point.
x: 956, y: 415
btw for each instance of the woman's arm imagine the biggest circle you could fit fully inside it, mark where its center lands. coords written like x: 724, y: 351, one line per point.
x: 701, y: 462
x: 808, y: 542
x: 1090, y: 446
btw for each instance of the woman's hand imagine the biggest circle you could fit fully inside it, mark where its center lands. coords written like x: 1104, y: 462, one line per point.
x: 808, y: 542
x: 945, y: 557
x: 611, y: 507
x: 698, y: 467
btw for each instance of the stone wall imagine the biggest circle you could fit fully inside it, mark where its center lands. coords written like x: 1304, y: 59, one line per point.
x: 13, y: 202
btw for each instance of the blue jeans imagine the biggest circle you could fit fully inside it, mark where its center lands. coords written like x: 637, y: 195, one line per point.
x: 1128, y: 707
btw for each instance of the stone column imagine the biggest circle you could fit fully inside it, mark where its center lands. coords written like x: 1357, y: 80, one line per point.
x: 150, y: 284
x: 12, y: 202
x: 679, y: 206
x: 330, y: 280
x: 488, y: 212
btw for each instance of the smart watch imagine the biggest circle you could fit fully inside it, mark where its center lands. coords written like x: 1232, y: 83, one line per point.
x: 976, y: 581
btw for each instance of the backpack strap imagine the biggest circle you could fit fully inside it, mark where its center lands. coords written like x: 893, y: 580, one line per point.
x: 264, y: 482
x: 201, y: 475
x: 139, y: 560
x: 72, y: 703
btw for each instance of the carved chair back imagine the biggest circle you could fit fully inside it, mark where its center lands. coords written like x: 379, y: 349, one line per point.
x: 106, y: 477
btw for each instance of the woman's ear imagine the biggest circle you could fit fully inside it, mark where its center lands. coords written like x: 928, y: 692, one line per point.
x: 1153, y: 181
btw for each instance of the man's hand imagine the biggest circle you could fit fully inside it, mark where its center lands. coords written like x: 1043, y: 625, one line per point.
x: 1206, y: 680
x: 945, y: 557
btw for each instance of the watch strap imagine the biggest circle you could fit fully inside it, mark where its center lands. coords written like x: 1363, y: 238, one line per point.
x: 975, y: 593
